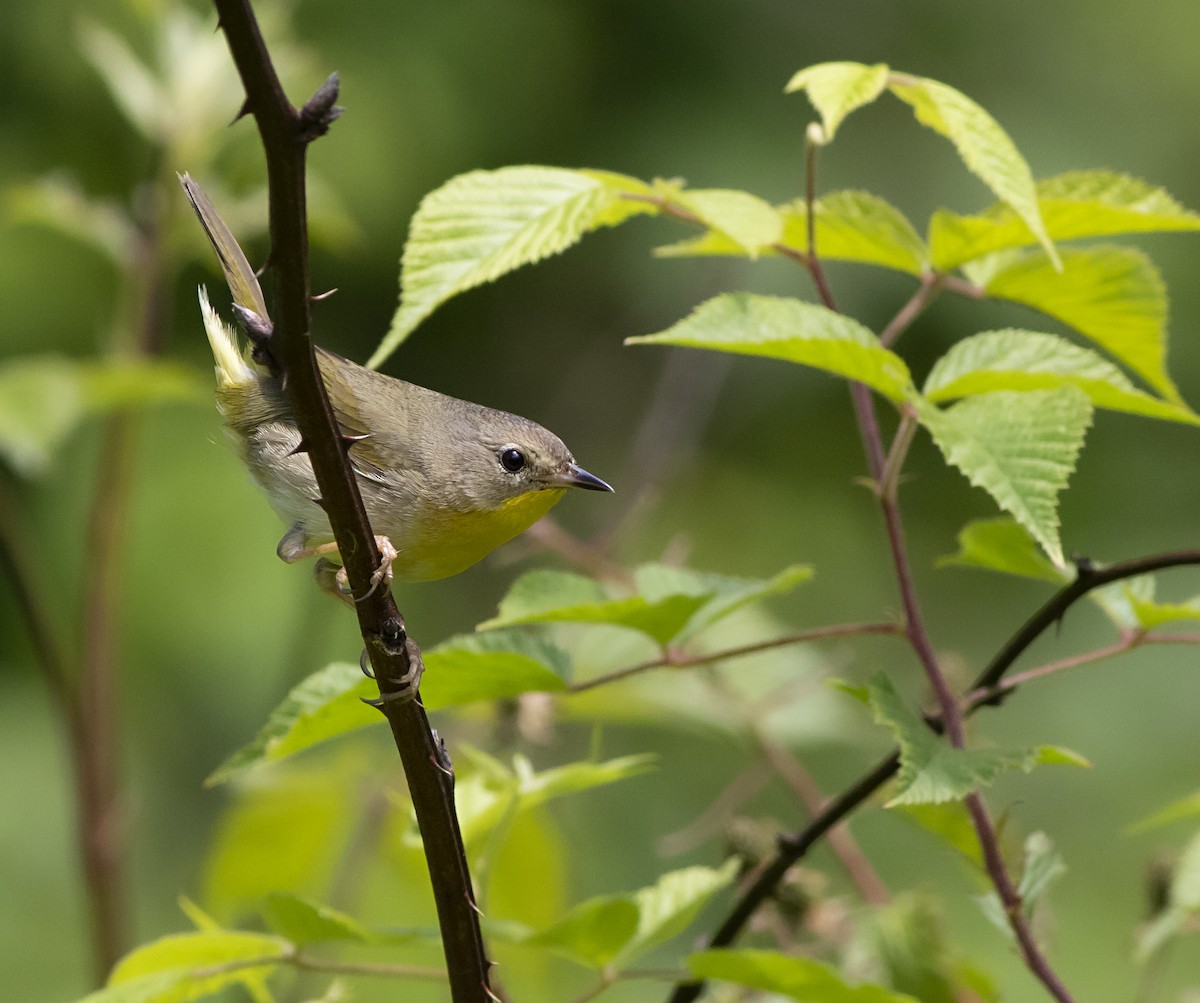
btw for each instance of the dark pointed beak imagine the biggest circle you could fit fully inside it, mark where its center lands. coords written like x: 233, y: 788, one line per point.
x: 574, y: 476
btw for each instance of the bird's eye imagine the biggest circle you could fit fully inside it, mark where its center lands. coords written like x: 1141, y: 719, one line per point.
x: 512, y: 460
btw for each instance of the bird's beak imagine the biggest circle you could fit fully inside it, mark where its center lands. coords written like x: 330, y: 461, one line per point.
x: 574, y: 476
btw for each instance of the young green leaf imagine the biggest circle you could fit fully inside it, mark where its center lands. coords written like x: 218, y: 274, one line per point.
x: 750, y: 224
x: 559, y: 596
x: 303, y: 922
x: 1019, y: 447
x: 480, y: 225
x: 798, y: 978
x: 949, y: 822
x: 460, y: 670
x: 1043, y: 866
x: 791, y: 330
x: 837, y: 89
x: 984, y: 146
x: 858, y: 226
x: 188, y: 966
x: 1076, y: 204
x: 1004, y: 545
x: 931, y: 770
x: 1112, y: 295
x: 593, y: 932
x: 1028, y: 360
x: 669, y: 906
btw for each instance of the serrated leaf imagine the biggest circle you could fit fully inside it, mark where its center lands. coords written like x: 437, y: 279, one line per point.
x: 671, y: 904
x: 798, y: 978
x: 1029, y: 360
x: 480, y: 225
x: 303, y: 922
x: 984, y: 146
x: 1111, y: 295
x: 593, y: 932
x: 1019, y: 447
x: 460, y: 670
x: 559, y: 596
x: 1004, y: 545
x: 1177, y: 811
x: 931, y: 770
x: 837, y: 89
x: 793, y: 331
x: 851, y: 226
x: 1073, y: 205
x: 44, y: 398
x: 169, y: 967
x: 751, y: 224
x: 858, y: 226
x: 537, y: 788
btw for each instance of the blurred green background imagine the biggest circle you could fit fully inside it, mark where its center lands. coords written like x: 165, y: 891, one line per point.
x: 751, y: 463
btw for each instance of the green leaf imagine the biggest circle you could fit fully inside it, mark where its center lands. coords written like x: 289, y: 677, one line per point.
x: 460, y: 670
x: 671, y: 904
x: 949, y: 822
x: 931, y: 770
x: 1111, y: 295
x: 142, y: 100
x: 851, y: 226
x: 749, y: 223
x: 799, y: 978
x: 793, y: 331
x: 558, y: 596
x: 984, y: 146
x: 858, y: 226
x: 837, y: 89
x: 1028, y: 360
x: 44, y: 398
x: 1183, y: 903
x: 1043, y: 866
x: 481, y: 225
x: 59, y: 204
x: 1177, y: 811
x: 1073, y: 205
x: 1019, y: 447
x: 593, y: 932
x: 303, y: 922
x: 165, y: 970
x: 1004, y: 545
x: 1150, y: 613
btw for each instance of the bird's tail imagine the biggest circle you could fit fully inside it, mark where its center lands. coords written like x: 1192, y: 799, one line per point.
x: 233, y: 368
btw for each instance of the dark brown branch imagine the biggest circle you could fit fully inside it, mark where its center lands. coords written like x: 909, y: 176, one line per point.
x: 286, y: 132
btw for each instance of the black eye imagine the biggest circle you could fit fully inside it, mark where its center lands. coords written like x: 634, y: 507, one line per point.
x: 512, y: 460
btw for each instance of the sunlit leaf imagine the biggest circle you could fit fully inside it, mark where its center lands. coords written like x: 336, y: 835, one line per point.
x: 793, y: 331
x: 669, y: 906
x: 851, y: 226
x: 1148, y: 612
x: 837, y: 89
x: 799, y: 978
x: 594, y: 932
x: 480, y: 225
x: 1019, y: 447
x: 558, y: 596
x: 931, y: 770
x: 1004, y: 545
x: 132, y: 84
x: 44, y: 398
x: 304, y: 922
x: 1029, y: 360
x: 1076, y: 204
x: 750, y: 223
x: 984, y: 146
x: 1111, y: 295
x: 949, y: 822
x: 225, y: 958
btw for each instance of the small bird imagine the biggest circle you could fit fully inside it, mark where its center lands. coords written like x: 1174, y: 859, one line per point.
x: 444, y: 481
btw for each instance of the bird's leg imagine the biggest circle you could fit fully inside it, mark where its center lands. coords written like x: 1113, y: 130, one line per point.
x: 331, y: 575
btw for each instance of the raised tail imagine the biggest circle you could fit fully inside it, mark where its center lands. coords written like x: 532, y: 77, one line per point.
x: 233, y: 368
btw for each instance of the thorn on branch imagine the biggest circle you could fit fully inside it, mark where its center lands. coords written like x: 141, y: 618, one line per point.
x: 300, y: 447
x: 242, y: 112
x: 319, y: 111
